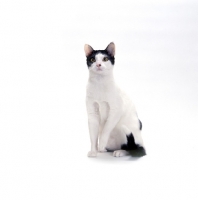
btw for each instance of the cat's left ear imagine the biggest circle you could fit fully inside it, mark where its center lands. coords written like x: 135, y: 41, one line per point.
x: 88, y: 49
x: 111, y: 49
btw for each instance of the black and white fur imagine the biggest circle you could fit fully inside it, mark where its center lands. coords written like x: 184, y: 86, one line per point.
x: 112, y: 118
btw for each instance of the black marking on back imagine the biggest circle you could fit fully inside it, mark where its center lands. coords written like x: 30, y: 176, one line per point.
x: 140, y: 125
x: 130, y: 143
x: 95, y: 52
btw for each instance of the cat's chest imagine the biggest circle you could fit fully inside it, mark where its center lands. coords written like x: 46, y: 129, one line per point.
x: 103, y: 108
x: 101, y: 92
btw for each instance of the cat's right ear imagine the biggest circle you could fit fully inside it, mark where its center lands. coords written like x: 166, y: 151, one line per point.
x: 88, y: 49
x: 111, y: 49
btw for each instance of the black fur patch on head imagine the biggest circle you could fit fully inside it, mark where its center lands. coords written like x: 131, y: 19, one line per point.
x: 95, y: 52
x: 130, y: 143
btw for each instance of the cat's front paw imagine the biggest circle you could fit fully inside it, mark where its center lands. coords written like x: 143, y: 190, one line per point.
x: 102, y: 148
x: 92, y: 154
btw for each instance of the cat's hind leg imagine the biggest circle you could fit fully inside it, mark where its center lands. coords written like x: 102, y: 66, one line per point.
x: 117, y: 138
x: 133, y: 141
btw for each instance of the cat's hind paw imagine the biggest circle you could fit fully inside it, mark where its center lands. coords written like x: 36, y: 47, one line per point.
x: 120, y: 153
x: 92, y: 154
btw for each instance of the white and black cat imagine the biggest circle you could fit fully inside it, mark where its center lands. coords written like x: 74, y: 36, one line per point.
x: 112, y: 118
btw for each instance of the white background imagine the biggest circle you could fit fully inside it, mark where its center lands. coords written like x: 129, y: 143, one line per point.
x: 44, y: 136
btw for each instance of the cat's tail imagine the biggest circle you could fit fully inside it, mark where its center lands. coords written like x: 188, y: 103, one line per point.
x: 131, y: 145
x: 134, y: 149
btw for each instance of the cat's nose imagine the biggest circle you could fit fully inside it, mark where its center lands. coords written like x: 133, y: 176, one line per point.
x: 98, y: 65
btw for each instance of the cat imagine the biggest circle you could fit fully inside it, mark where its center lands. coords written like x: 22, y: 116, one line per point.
x: 112, y: 118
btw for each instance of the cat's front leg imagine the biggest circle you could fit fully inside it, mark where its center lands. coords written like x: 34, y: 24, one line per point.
x: 102, y: 145
x: 112, y: 120
x: 93, y: 121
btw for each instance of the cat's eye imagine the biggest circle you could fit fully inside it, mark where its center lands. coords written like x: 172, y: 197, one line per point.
x: 105, y: 59
x: 92, y: 60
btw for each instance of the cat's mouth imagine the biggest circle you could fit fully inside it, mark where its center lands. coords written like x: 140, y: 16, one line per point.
x: 99, y: 69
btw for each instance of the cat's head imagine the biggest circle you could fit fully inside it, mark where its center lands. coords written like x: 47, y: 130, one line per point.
x: 100, y: 61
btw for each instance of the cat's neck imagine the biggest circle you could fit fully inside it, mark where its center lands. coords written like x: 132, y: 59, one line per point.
x: 101, y: 78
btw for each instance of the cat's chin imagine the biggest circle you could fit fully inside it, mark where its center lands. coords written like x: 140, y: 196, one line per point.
x: 99, y: 71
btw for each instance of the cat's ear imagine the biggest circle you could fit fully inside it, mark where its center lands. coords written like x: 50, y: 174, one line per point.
x: 88, y: 49
x: 111, y: 49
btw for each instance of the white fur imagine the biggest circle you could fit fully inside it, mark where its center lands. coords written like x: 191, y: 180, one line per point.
x: 111, y: 114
